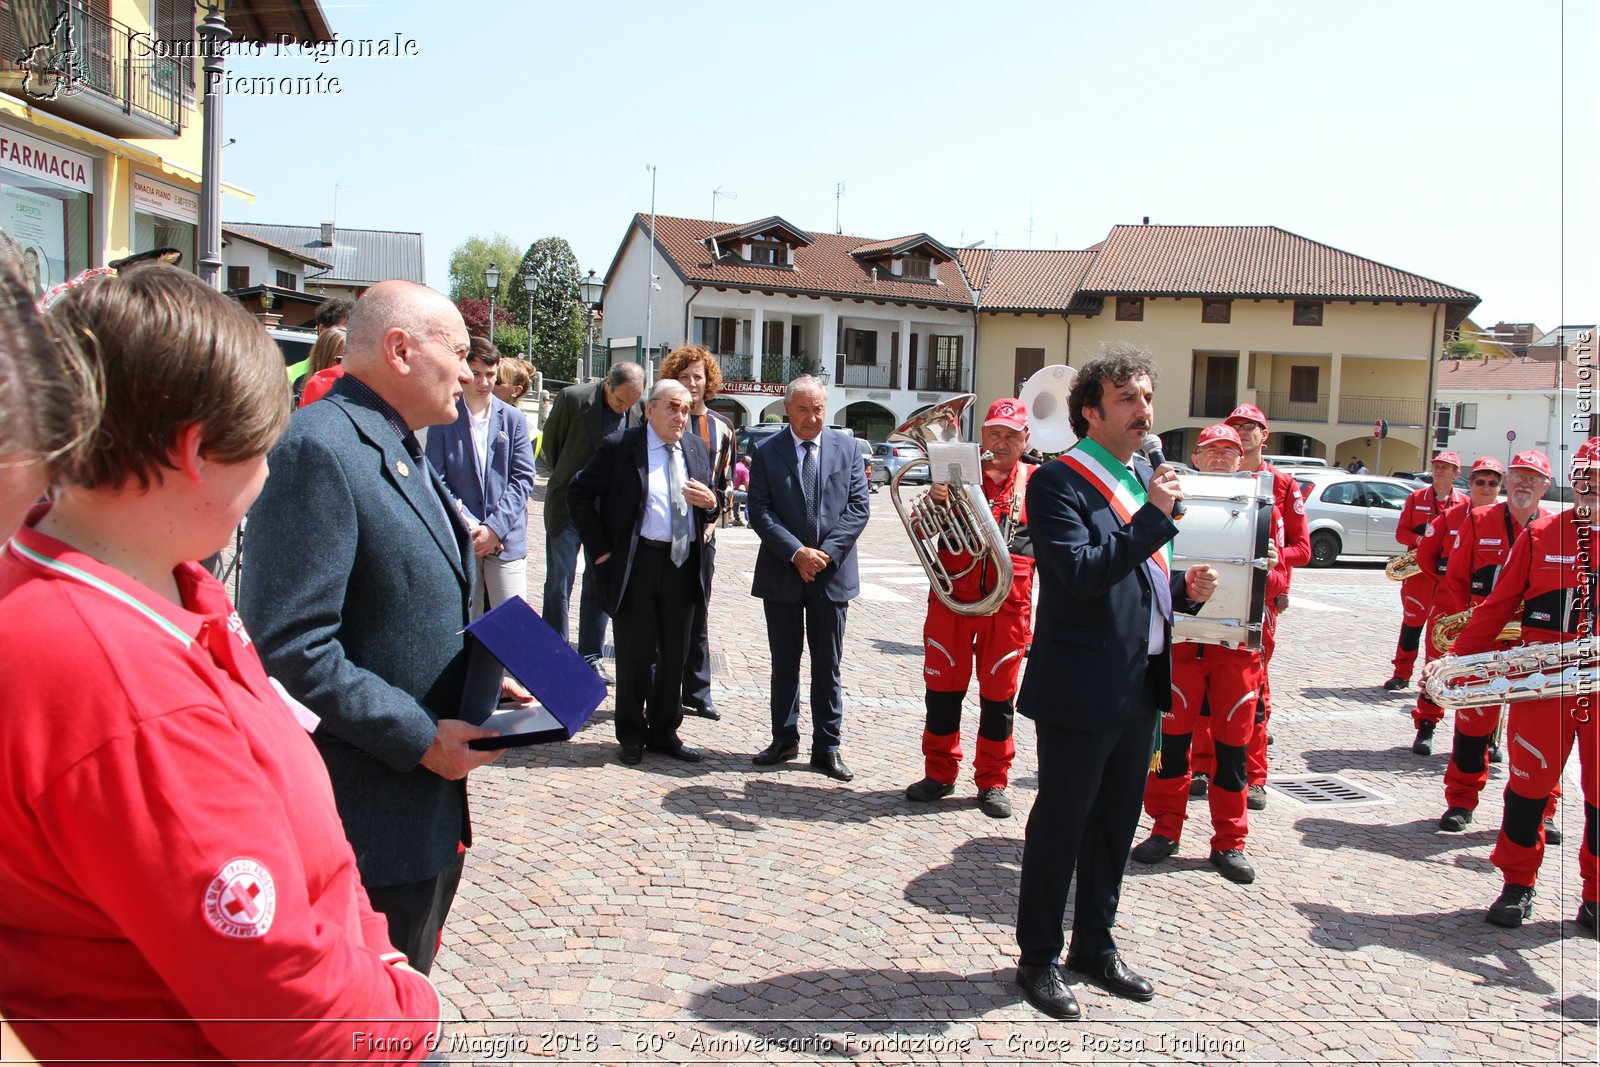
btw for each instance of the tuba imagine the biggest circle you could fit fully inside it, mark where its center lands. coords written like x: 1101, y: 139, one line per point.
x: 962, y: 526
x: 1402, y: 567
x: 1527, y: 672
x: 1446, y: 628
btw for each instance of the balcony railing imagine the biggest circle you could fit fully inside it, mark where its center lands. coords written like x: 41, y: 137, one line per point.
x: 871, y: 375
x: 1393, y: 410
x: 785, y: 369
x: 942, y: 379
x: 1287, y: 407
x: 1212, y: 403
x: 735, y: 366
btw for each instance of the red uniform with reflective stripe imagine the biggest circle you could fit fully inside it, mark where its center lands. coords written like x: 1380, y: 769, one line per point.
x: 1421, y: 511
x: 1548, y: 578
x: 1433, y: 555
x: 143, y: 752
x: 999, y: 641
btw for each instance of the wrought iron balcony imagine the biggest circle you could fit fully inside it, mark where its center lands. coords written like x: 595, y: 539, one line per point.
x: 942, y: 379
x: 870, y: 375
x: 1212, y: 403
x: 1396, y: 411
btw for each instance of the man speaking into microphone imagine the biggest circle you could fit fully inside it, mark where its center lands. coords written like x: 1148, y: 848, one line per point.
x: 1099, y: 674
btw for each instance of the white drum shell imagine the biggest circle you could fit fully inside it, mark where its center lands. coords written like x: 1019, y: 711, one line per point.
x: 1227, y: 523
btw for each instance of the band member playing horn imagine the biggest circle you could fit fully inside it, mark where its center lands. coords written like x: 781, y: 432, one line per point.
x: 1549, y: 580
x: 1230, y: 679
x: 1433, y: 555
x: 999, y: 640
x: 1482, y: 546
x: 1422, y: 508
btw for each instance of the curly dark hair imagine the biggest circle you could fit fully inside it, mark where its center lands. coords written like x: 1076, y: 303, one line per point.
x: 1117, y: 362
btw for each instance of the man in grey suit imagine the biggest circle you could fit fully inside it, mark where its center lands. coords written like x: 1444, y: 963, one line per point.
x: 808, y: 504
x: 358, y: 584
x: 582, y: 417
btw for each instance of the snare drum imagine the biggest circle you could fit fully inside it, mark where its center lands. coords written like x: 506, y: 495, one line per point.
x: 1228, y: 524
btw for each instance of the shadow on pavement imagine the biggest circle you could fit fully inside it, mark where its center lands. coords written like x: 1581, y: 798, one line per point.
x: 1398, y: 760
x: 1579, y: 1007
x: 895, y: 648
x: 979, y: 882
x: 1459, y: 939
x: 830, y: 1000
x: 743, y: 807
x: 1419, y: 839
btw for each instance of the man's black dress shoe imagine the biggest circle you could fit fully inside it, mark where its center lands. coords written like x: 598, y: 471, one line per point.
x: 832, y: 764
x: 677, y: 750
x: 707, y: 712
x: 777, y: 752
x: 1046, y: 989
x: 632, y: 755
x: 1112, y: 975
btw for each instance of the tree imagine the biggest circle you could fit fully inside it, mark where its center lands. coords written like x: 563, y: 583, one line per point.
x: 471, y: 258
x: 559, y: 314
x: 475, y: 312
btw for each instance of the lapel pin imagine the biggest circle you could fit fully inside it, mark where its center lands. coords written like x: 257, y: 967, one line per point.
x: 400, y: 465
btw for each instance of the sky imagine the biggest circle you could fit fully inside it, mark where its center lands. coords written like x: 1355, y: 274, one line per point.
x: 1455, y: 139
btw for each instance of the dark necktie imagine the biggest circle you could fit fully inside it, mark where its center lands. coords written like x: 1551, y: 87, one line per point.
x: 808, y: 486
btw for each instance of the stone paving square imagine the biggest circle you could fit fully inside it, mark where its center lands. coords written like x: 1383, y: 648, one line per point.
x: 724, y: 913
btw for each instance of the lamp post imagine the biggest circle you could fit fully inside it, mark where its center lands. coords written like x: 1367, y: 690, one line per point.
x: 491, y: 279
x: 530, y: 285
x: 590, y: 289
x: 214, y: 35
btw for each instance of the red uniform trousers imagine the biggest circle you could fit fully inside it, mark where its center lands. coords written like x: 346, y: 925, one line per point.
x: 1416, y: 597
x: 1539, y: 740
x: 1427, y: 713
x: 1202, y: 749
x: 1468, y: 769
x: 950, y: 642
x: 1230, y: 679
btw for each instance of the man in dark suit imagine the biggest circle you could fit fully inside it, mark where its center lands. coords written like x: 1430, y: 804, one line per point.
x: 485, y: 459
x: 642, y: 505
x: 582, y: 417
x: 808, y: 504
x: 358, y: 586
x: 1099, y: 672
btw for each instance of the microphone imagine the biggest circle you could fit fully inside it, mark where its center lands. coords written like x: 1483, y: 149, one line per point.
x: 1152, y: 453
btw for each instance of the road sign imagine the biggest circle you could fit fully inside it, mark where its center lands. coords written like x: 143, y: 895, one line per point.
x: 1380, y: 429
x: 1511, y: 435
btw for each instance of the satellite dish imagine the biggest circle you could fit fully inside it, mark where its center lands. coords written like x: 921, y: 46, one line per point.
x: 1045, y: 396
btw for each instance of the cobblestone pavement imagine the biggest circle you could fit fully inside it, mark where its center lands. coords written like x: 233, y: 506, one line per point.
x: 725, y: 913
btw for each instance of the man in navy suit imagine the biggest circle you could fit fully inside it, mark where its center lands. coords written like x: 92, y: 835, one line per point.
x: 486, y: 460
x: 1099, y: 673
x: 642, y: 505
x: 356, y: 592
x: 808, y: 504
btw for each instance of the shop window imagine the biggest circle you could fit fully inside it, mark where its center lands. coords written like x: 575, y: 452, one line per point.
x: 1130, y: 309
x: 1308, y: 313
x: 50, y: 222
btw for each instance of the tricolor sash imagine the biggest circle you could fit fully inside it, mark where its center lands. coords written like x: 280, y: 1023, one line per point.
x: 1120, y: 488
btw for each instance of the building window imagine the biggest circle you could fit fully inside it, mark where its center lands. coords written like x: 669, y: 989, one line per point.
x: 707, y: 332
x: 1130, y: 309
x: 861, y: 347
x: 769, y: 252
x: 1216, y: 310
x: 286, y: 280
x: 919, y: 267
x: 238, y: 277
x: 1303, y: 385
x: 1308, y: 313
x: 1028, y: 362
x: 946, y: 369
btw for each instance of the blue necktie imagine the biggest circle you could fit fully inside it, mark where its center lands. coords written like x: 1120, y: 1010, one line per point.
x: 808, y: 486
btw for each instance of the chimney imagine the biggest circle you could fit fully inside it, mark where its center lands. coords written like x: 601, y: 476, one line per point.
x: 1147, y: 220
x: 327, y: 233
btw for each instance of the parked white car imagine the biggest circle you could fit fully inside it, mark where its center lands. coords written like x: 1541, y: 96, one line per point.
x: 1351, y: 514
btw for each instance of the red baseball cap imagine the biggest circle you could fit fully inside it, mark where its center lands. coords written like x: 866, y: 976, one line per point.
x: 1588, y: 454
x: 1220, y: 432
x: 1450, y: 458
x: 1008, y: 411
x: 1488, y: 463
x: 1532, y: 461
x: 1248, y: 411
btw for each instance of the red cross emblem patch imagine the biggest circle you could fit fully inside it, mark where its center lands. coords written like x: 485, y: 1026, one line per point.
x: 241, y: 900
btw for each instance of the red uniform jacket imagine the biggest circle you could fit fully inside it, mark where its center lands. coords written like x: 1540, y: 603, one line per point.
x: 1550, y: 576
x: 1293, y: 533
x: 1483, y: 542
x: 1433, y: 551
x: 1420, y: 510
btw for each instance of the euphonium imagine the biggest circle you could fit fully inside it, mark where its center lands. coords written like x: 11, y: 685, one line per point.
x: 1527, y: 672
x: 1446, y: 628
x: 1402, y: 567
x: 962, y: 526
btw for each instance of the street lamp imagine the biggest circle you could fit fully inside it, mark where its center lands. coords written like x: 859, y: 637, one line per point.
x: 530, y: 285
x: 491, y: 279
x: 590, y: 289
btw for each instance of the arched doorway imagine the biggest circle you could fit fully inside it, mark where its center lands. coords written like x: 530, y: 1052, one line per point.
x: 1296, y: 444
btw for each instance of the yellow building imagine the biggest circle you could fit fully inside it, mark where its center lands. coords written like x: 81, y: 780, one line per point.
x: 100, y: 123
x: 1326, y: 343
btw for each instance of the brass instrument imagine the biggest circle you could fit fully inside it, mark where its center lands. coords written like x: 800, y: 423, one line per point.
x: 963, y: 525
x: 1402, y: 567
x: 1446, y: 628
x: 1527, y: 672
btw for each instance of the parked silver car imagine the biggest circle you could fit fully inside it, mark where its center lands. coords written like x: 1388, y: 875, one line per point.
x: 889, y: 456
x: 1351, y: 514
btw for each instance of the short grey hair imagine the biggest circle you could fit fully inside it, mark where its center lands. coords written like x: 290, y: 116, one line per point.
x: 806, y: 383
x: 622, y: 374
x: 667, y: 387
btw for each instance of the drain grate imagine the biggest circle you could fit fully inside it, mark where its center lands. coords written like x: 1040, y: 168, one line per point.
x: 1325, y: 789
x: 720, y: 667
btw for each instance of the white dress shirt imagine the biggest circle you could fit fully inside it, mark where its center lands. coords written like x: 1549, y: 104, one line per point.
x: 657, y: 525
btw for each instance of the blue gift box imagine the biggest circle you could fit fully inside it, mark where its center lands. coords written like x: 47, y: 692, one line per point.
x: 512, y: 638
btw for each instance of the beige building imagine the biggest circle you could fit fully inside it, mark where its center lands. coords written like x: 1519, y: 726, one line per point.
x: 1325, y: 342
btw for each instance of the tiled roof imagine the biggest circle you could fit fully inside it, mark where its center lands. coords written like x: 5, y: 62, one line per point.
x: 1507, y: 375
x: 1250, y: 261
x: 826, y: 266
x: 770, y: 224
x: 1014, y: 279
x: 292, y: 253
x: 360, y: 256
x: 896, y: 246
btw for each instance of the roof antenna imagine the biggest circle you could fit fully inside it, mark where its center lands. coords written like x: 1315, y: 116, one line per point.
x: 838, y: 194
x: 718, y: 194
